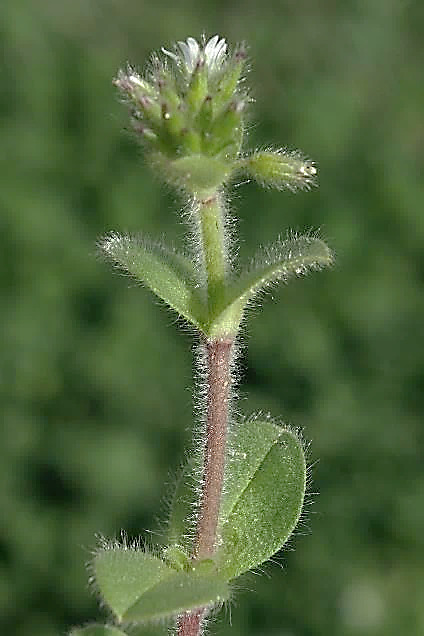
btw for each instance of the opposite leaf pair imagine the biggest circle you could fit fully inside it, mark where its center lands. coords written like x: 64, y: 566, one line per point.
x: 174, y: 278
x: 263, y: 496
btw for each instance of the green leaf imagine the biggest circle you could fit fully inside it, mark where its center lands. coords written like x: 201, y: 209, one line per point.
x: 248, y: 444
x: 280, y: 261
x: 264, y: 492
x: 168, y: 274
x: 182, y: 592
x: 138, y: 586
x: 97, y: 630
x: 123, y: 574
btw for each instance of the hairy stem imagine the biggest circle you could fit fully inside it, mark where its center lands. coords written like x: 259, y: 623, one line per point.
x: 210, y: 216
x: 191, y: 623
x: 218, y: 353
x: 219, y: 359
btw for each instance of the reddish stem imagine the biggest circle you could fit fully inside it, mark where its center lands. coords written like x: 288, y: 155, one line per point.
x: 219, y: 379
x: 190, y: 623
x: 219, y: 356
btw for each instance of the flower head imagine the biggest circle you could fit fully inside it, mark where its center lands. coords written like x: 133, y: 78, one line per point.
x: 189, y: 109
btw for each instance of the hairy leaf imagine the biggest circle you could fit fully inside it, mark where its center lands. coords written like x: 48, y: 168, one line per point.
x: 97, y: 630
x: 295, y: 256
x: 123, y: 574
x: 248, y: 444
x: 264, y: 492
x: 168, y: 274
x: 282, y: 260
x: 182, y: 592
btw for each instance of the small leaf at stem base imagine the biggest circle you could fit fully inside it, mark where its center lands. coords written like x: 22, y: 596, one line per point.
x: 183, y: 592
x: 139, y: 587
x: 123, y: 574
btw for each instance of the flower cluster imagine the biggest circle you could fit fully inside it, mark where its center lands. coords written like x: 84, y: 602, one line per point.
x: 189, y: 111
x: 190, y: 102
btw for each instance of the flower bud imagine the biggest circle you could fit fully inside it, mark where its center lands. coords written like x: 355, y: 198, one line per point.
x: 281, y: 169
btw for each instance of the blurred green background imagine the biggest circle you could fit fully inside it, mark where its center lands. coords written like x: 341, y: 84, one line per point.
x: 96, y: 376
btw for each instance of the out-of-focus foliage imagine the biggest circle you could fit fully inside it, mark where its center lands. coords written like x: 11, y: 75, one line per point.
x: 95, y: 377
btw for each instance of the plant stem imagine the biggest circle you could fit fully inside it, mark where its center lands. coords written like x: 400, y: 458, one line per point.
x: 190, y: 624
x: 219, y: 359
x: 209, y: 212
x: 219, y: 354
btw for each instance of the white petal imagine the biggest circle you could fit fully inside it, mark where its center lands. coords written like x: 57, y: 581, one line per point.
x: 215, y: 51
x: 173, y: 56
x: 210, y: 45
x: 190, y: 51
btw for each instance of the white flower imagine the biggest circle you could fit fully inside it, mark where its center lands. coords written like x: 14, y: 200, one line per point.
x: 188, y: 54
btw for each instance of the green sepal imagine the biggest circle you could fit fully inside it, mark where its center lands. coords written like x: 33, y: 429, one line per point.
x: 264, y: 492
x: 168, y: 274
x: 228, y: 83
x: 280, y: 261
x: 226, y: 132
x: 151, y: 114
x: 123, y: 573
x: 97, y: 630
x: 183, y: 592
x: 167, y: 88
x: 174, y: 124
x: 190, y: 141
x: 204, y: 118
x: 198, y: 87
